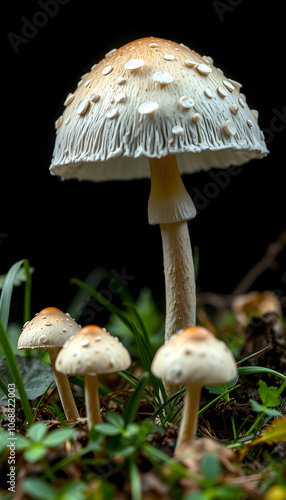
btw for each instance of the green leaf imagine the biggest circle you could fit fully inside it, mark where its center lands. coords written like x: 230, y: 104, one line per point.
x: 256, y: 406
x: 211, y: 467
x: 35, y: 452
x: 228, y: 492
x: 268, y: 395
x: 75, y: 490
x: 38, y: 488
x: 131, y: 431
x: 220, y: 389
x: 125, y: 451
x: 35, y: 375
x: 58, y: 436
x: 196, y: 495
x: 115, y: 419
x: 21, y: 442
x: 107, y: 429
x: 271, y: 412
x: 37, y: 432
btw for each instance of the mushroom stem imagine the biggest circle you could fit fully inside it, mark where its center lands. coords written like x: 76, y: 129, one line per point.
x: 92, y: 400
x: 64, y: 389
x: 179, y: 278
x: 190, y: 415
x: 170, y: 206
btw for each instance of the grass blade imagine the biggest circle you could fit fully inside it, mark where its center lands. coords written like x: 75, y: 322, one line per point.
x: 105, y: 302
x: 135, y: 482
x: 249, y: 370
x: 133, y: 403
x: 5, y: 299
x: 28, y: 292
x: 15, y: 373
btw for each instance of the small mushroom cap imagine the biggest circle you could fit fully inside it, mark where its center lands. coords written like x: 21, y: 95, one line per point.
x: 149, y: 99
x: 194, y: 355
x: 49, y: 328
x: 93, y: 351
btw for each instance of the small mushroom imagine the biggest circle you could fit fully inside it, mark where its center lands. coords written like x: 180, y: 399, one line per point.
x: 194, y: 357
x: 92, y: 352
x: 50, y: 329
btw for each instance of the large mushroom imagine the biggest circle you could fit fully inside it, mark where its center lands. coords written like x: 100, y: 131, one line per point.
x: 158, y: 102
x: 92, y: 352
x: 194, y: 357
x: 50, y: 329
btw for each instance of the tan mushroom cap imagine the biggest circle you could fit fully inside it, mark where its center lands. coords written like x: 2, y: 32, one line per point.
x: 149, y: 99
x: 49, y: 328
x: 195, y: 355
x: 93, y: 351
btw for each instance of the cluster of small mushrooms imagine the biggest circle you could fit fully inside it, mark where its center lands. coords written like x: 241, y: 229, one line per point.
x: 194, y: 356
x: 152, y: 108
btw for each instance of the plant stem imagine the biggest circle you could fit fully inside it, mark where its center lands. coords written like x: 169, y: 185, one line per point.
x: 256, y: 424
x: 227, y: 398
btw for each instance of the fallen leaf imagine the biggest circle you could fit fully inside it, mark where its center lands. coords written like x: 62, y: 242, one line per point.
x: 274, y: 433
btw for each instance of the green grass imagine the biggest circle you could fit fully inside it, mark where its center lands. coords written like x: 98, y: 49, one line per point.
x: 124, y: 439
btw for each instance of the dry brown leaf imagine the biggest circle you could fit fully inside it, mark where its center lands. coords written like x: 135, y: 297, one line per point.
x: 255, y: 305
x: 191, y: 453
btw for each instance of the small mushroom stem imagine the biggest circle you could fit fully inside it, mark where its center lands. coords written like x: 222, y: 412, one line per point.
x: 171, y: 206
x: 64, y: 389
x: 190, y: 414
x: 92, y: 400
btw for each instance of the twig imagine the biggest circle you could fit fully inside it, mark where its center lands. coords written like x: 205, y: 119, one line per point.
x: 267, y: 262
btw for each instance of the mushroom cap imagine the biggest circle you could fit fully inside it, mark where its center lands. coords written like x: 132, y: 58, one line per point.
x: 49, y: 328
x: 194, y: 355
x: 93, y: 351
x: 148, y: 99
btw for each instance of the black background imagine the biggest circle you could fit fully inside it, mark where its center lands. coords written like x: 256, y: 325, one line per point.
x: 66, y: 229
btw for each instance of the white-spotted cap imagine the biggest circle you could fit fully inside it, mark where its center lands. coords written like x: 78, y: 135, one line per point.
x: 93, y: 351
x: 167, y: 88
x: 48, y: 329
x: 194, y: 355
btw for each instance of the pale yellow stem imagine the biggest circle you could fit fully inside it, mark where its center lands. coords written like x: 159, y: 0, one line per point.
x: 189, y: 421
x: 92, y: 400
x: 64, y: 389
x: 170, y: 206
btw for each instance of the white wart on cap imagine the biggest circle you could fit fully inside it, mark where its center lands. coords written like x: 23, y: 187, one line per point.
x: 195, y: 355
x: 175, y: 102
